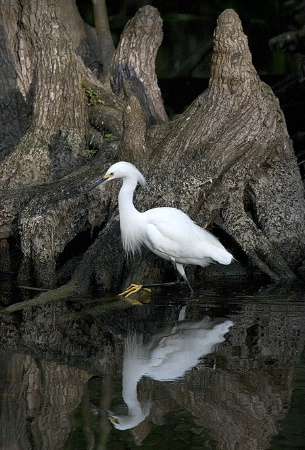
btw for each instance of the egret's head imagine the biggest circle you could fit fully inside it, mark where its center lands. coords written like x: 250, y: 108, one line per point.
x: 136, y: 414
x: 125, y: 422
x: 115, y: 420
x: 124, y: 170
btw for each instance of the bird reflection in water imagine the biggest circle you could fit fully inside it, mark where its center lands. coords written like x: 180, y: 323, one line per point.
x: 167, y: 356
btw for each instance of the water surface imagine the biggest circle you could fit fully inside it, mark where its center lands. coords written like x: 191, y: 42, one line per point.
x: 221, y: 370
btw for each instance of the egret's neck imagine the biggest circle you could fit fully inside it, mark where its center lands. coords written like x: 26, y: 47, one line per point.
x: 130, y: 394
x: 126, y: 206
x: 129, y: 217
x: 134, y: 367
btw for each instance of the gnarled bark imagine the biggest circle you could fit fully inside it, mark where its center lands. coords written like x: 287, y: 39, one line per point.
x: 226, y: 160
x: 46, y: 71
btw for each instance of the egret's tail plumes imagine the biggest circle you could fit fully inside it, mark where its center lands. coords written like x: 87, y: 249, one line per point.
x: 220, y: 255
x: 212, y: 248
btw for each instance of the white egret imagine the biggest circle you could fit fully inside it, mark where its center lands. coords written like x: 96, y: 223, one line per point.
x: 167, y: 232
x: 168, y: 356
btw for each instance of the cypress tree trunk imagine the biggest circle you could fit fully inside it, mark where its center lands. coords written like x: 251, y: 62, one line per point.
x: 227, y: 160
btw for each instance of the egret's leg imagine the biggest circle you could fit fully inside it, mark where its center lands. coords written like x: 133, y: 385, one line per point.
x: 175, y: 267
x: 134, y: 288
x: 180, y: 269
x: 182, y: 313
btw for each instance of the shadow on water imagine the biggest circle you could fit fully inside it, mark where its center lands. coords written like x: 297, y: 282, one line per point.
x: 222, y: 370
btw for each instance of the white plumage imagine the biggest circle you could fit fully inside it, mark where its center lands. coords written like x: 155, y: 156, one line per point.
x: 168, y: 356
x: 167, y: 232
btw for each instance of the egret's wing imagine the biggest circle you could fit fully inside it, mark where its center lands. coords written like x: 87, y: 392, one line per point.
x: 187, y: 242
x: 180, y: 351
x: 162, y: 238
x: 170, y: 232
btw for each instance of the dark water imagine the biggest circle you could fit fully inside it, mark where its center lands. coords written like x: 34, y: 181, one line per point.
x: 222, y: 370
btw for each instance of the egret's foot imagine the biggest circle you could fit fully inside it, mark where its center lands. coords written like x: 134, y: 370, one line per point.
x: 133, y: 289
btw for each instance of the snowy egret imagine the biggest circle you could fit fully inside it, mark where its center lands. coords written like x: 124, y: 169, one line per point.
x: 168, y: 356
x: 167, y: 232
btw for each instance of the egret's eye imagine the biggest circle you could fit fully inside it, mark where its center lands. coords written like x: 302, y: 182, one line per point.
x: 111, y: 174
